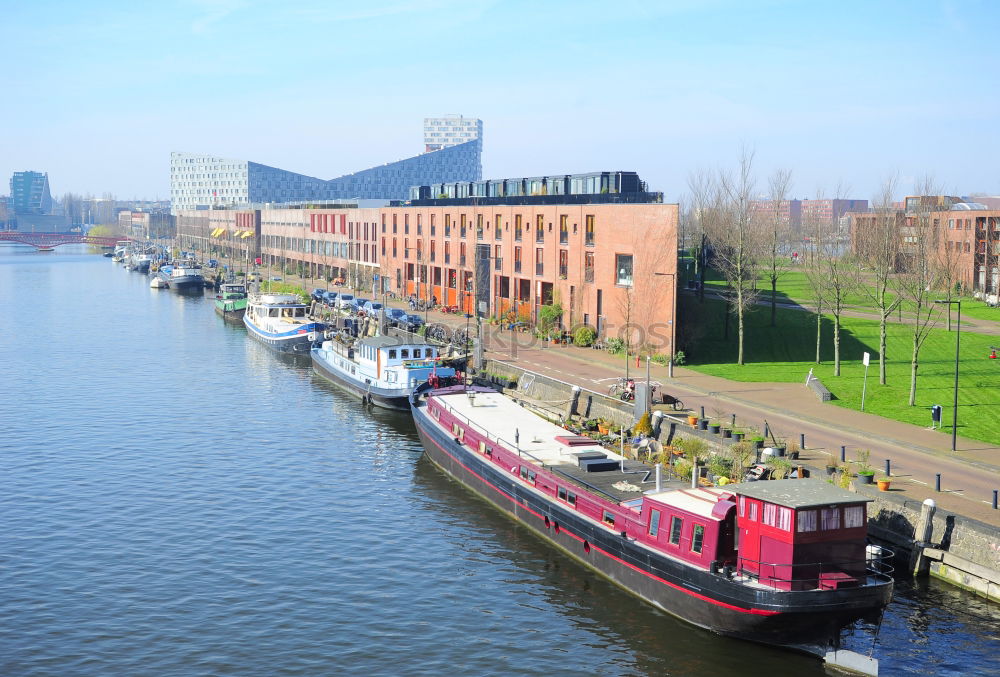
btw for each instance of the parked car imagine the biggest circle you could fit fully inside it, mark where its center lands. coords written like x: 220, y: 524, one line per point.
x: 345, y: 301
x: 357, y: 304
x: 372, y: 308
x: 396, y: 317
x: 330, y: 298
x: 413, y: 323
x: 254, y: 277
x: 317, y: 294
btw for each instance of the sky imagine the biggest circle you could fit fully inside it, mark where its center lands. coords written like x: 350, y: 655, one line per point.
x: 841, y: 93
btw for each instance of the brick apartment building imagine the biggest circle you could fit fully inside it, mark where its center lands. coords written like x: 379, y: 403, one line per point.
x: 609, y: 257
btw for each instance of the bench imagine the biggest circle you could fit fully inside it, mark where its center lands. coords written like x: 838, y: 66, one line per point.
x: 819, y: 389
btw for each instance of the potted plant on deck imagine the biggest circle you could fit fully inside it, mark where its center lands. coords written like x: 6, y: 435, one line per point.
x: 883, y: 483
x: 865, y: 472
x: 603, y: 425
x: 714, y: 427
x: 831, y: 464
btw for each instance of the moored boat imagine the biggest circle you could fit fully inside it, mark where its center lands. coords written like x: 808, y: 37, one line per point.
x: 381, y: 370
x: 184, y: 276
x: 158, y: 283
x: 281, y: 322
x: 231, y: 301
x: 778, y: 562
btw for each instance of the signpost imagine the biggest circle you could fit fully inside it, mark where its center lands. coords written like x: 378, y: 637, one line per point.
x: 865, y: 360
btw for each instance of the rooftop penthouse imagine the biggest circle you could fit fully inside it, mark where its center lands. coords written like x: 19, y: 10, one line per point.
x: 591, y: 188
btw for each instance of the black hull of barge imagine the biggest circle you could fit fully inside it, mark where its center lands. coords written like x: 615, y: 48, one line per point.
x: 395, y: 402
x: 805, y: 621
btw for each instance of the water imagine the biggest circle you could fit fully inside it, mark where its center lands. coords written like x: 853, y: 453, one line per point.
x: 177, y: 500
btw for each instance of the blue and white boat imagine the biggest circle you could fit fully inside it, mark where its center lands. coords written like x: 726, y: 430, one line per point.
x: 281, y: 322
x: 381, y: 370
x: 186, y: 275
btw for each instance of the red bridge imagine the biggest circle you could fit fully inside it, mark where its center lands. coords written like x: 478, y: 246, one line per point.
x: 49, y: 240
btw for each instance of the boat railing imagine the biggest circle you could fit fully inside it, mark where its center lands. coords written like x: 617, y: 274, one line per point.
x: 491, y: 437
x: 811, y: 575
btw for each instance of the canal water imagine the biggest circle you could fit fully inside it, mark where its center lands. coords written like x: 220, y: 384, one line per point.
x: 177, y: 500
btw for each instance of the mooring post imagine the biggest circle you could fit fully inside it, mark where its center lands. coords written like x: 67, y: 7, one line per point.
x: 888, y: 468
x: 702, y: 412
x: 802, y: 441
x: 657, y: 424
x: 937, y: 482
x: 574, y: 398
x: 995, y: 492
x: 843, y: 454
x: 922, y: 537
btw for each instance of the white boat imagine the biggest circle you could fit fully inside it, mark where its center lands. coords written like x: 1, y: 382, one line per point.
x: 158, y: 283
x: 183, y: 276
x: 381, y: 370
x: 281, y: 322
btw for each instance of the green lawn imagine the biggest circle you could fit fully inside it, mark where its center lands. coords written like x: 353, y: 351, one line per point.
x: 794, y: 287
x: 787, y: 352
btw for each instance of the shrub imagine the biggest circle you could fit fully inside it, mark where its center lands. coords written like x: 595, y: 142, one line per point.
x: 549, y: 316
x: 679, y: 358
x: 616, y: 345
x: 584, y: 337
x: 644, y: 427
x: 692, y: 446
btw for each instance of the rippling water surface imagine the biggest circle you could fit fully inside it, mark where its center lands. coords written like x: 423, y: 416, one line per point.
x: 177, y: 500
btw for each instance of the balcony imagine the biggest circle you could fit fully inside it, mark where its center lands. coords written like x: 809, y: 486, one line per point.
x: 461, y: 232
x: 517, y: 234
x: 589, y: 239
x: 539, y: 269
x: 497, y: 233
x: 479, y: 233
x: 447, y: 231
x: 563, y: 238
x: 588, y: 274
x: 540, y: 236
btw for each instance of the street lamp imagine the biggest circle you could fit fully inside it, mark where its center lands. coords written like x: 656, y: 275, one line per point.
x: 673, y: 320
x: 958, y: 334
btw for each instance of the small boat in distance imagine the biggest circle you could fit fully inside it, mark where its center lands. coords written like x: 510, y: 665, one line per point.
x: 231, y: 301
x: 158, y: 283
x: 281, y: 322
x: 381, y: 370
x: 781, y: 562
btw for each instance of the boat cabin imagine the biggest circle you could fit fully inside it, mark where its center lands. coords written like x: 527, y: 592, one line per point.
x: 395, y: 361
x: 232, y: 290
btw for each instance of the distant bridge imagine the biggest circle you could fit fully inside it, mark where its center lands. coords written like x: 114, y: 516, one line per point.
x: 49, y: 240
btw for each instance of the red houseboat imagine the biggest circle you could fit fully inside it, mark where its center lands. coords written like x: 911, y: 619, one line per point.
x: 780, y: 562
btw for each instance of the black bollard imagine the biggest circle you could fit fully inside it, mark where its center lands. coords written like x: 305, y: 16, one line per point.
x: 843, y: 454
x: 888, y: 468
x: 734, y: 420
x: 995, y: 492
x: 702, y: 412
x: 802, y: 441
x: 937, y: 482
x: 767, y: 430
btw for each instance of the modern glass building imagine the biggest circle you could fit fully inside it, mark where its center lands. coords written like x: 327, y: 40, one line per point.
x: 29, y: 193
x: 450, y: 130
x: 199, y: 181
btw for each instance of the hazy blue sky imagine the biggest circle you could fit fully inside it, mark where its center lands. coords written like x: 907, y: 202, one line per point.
x: 98, y: 93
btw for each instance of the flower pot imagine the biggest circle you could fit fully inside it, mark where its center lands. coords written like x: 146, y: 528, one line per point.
x: 714, y: 428
x: 603, y: 428
x: 727, y: 433
x: 865, y: 478
x: 703, y: 424
x: 830, y: 469
x: 692, y: 421
x: 738, y: 437
x: 883, y: 485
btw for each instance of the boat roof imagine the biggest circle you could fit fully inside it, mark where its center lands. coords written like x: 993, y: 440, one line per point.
x: 797, y: 494
x: 548, y: 444
x: 701, y: 501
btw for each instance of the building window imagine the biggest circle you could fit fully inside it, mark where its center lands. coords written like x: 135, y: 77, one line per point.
x: 517, y: 259
x: 589, y: 232
x: 697, y: 538
x: 539, y: 261
x: 406, y: 224
x: 676, y: 523
x: 479, y: 226
x: 517, y: 227
x: 588, y: 267
x: 539, y: 228
x: 563, y: 229
x: 497, y: 230
x: 654, y: 522
x: 623, y: 270
x: 563, y: 264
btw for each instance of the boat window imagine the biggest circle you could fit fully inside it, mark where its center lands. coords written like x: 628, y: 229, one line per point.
x: 830, y: 518
x: 435, y: 412
x: 785, y: 519
x: 753, y: 510
x: 561, y: 493
x: 482, y: 447
x: 854, y: 516
x: 458, y: 430
x: 654, y: 522
x: 807, y: 520
x: 429, y: 352
x: 608, y: 518
x: 675, y: 529
x: 743, y: 506
x: 697, y: 538
x: 392, y: 354
x: 527, y: 474
x: 571, y: 498
x: 404, y: 353
x: 770, y: 514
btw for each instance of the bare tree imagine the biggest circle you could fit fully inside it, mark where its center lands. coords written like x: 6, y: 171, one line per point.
x: 877, y: 248
x: 736, y: 240
x: 919, y: 275
x: 701, y: 210
x: 777, y: 230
